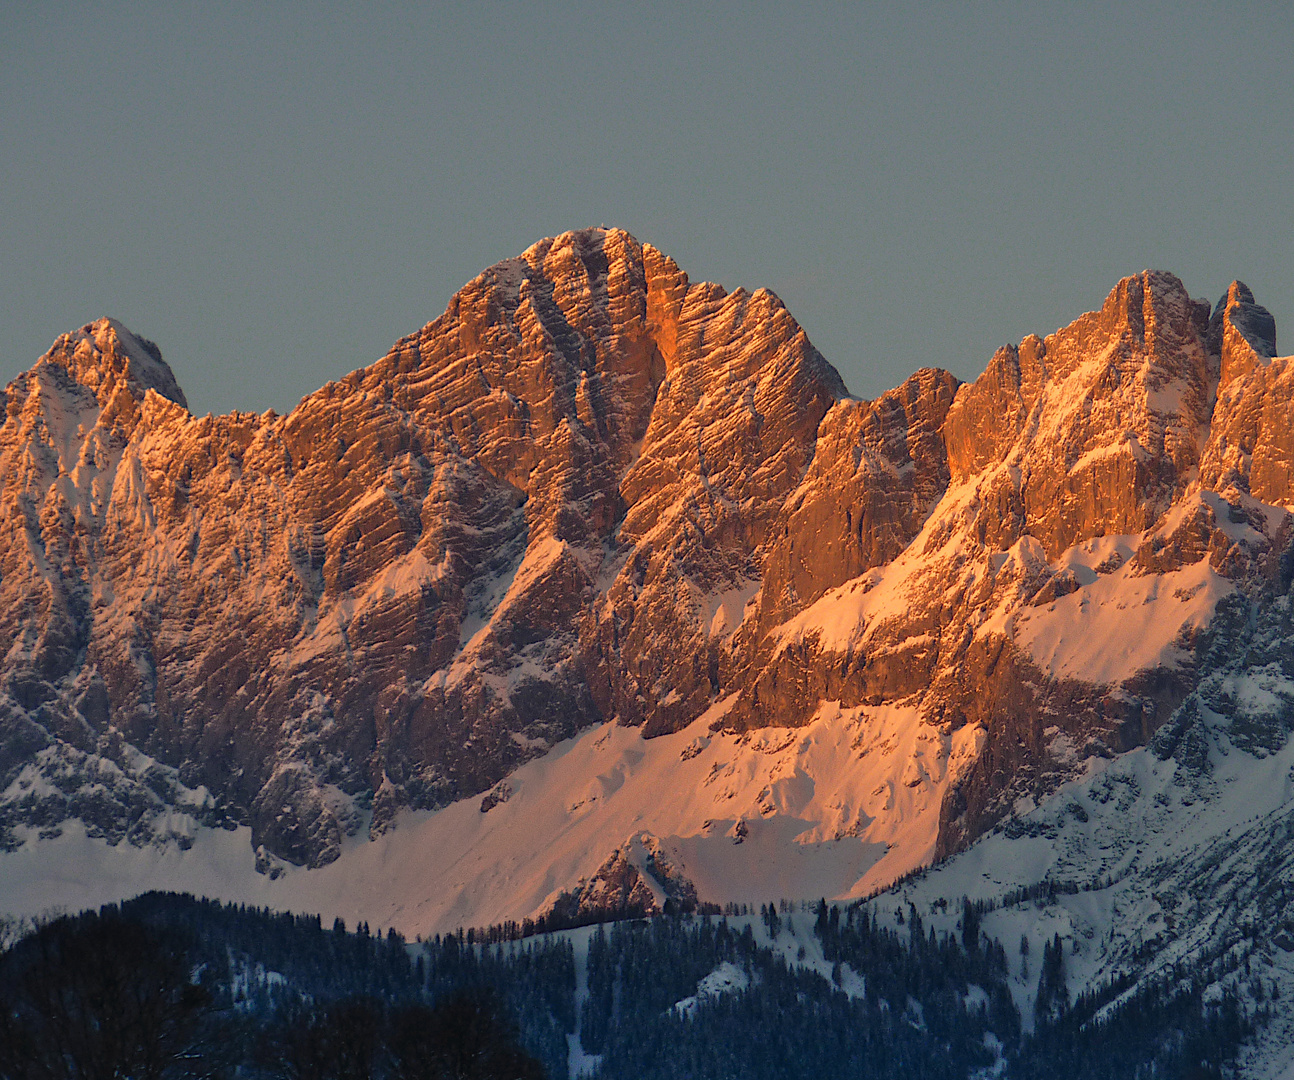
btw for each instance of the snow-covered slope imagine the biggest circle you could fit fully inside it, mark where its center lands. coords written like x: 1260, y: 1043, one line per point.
x: 834, y: 808
x: 1173, y: 862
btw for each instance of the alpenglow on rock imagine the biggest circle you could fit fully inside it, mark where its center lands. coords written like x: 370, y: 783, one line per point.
x: 594, y: 490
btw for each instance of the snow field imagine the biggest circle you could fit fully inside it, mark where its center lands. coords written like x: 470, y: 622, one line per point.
x: 836, y: 808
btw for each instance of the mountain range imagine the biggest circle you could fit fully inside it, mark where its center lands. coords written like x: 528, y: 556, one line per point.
x: 601, y: 592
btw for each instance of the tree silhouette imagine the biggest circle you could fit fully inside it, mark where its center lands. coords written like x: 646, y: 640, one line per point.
x: 341, y: 1041
x: 465, y: 1037
x: 100, y: 997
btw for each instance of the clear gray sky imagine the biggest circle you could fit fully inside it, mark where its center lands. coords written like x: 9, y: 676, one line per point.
x: 276, y: 192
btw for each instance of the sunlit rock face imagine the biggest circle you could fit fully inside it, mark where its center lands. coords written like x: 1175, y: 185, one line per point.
x: 1099, y: 424
x: 1095, y: 504
x: 426, y: 574
x: 879, y: 469
x: 594, y: 490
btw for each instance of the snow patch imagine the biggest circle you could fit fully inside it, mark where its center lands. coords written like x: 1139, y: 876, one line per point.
x: 1121, y: 623
x: 821, y: 807
x: 727, y: 978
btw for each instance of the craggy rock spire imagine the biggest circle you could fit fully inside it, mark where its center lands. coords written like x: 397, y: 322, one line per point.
x: 1241, y: 333
x: 1251, y: 444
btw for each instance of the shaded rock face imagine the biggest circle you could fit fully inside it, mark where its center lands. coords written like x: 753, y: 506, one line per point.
x: 591, y: 490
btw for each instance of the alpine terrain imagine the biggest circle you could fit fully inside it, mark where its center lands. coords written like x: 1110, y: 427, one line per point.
x: 599, y: 597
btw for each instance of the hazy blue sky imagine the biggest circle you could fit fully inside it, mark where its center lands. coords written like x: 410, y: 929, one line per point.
x: 275, y: 193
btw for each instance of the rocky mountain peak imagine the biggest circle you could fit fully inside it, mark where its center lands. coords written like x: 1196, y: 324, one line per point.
x: 1241, y: 332
x: 1251, y: 442
x: 432, y: 570
x: 1100, y: 450
x: 1147, y: 316
x: 1095, y: 428
x: 106, y: 356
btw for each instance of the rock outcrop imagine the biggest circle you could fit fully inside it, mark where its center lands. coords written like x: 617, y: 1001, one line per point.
x: 640, y: 878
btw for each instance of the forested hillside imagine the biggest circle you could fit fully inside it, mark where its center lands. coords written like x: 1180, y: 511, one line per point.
x: 169, y: 986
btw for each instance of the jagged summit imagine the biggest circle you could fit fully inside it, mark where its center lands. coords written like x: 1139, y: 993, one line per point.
x: 1253, y: 322
x: 428, y: 572
x: 104, y: 355
x: 600, y: 297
